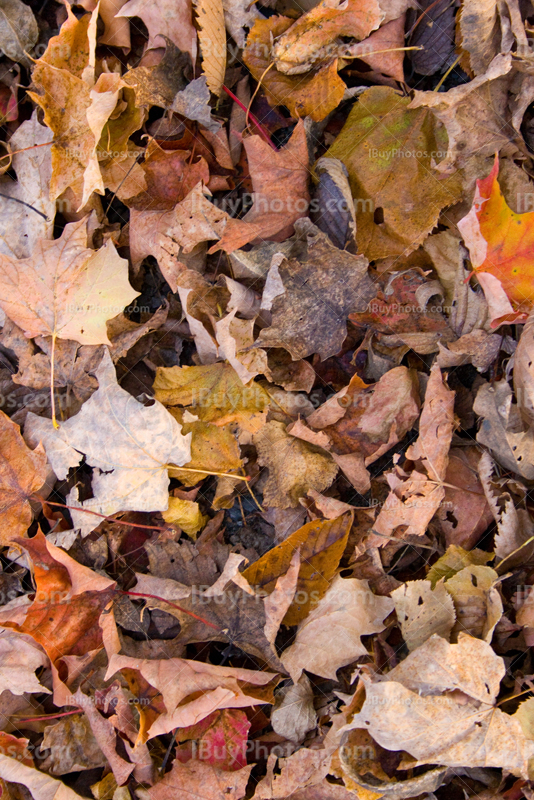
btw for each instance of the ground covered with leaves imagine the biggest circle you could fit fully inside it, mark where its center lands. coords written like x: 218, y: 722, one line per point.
x: 267, y: 400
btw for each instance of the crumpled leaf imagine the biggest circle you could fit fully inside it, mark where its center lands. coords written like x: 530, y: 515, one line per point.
x: 348, y: 611
x: 410, y: 708
x: 19, y: 658
x: 477, y: 601
x: 193, y: 103
x: 186, y: 514
x: 295, y: 466
x: 130, y: 449
x: 388, y: 148
x: 303, y: 323
x: 314, y: 95
x: 22, y: 472
x: 66, y: 289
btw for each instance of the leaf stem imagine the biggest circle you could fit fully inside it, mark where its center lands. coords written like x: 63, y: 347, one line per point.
x: 209, y: 472
x: 174, y: 605
x: 102, y: 516
x: 263, y: 133
x: 52, y: 396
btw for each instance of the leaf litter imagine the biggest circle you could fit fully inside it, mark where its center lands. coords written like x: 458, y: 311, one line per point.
x: 266, y: 400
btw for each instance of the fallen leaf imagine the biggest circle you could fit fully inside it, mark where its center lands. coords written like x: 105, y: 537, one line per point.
x: 315, y: 95
x: 423, y: 610
x: 65, y: 289
x: 184, y: 780
x: 303, y: 322
x: 130, y: 454
x: 393, y: 136
x: 18, y: 30
x: 82, y: 751
x: 212, y: 38
x: 293, y: 715
x: 439, y: 728
x: 165, y: 19
x: 23, y: 473
x: 19, y: 658
x: 477, y: 601
x: 295, y: 466
x: 186, y: 515
x: 41, y: 786
x: 348, y: 611
x: 321, y: 545
x: 219, y: 740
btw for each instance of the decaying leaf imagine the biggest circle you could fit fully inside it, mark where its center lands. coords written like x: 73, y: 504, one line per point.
x: 423, y: 610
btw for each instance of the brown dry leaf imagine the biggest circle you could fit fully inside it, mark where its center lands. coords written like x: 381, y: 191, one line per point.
x: 524, y: 372
x: 213, y: 448
x: 212, y: 38
x: 321, y: 545
x: 309, y: 39
x: 280, y: 186
x: 213, y: 393
x: 40, y: 785
x: 184, y: 781
x: 82, y: 751
x: 389, y: 37
x: 165, y: 18
x: 412, y: 708
x: 22, y: 474
x: 309, y: 314
x: 295, y: 466
x: 348, y: 611
x: 502, y: 429
x: 293, y: 715
x: 302, y: 770
x: 477, y: 601
x: 116, y: 29
x: 472, y: 115
x: 423, y: 610
x: 64, y: 289
x: 192, y: 690
x: 19, y: 658
x: 415, y: 498
x: 169, y: 177
x: 129, y: 445
x: 314, y: 95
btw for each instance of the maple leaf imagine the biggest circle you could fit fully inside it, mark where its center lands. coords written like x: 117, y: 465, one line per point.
x: 220, y: 740
x: 184, y: 780
x: 165, y: 18
x: 63, y: 617
x: 500, y: 241
x: 64, y: 289
x: 131, y: 447
x: 22, y: 473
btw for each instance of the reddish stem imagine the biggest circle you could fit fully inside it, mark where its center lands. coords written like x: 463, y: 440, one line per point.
x: 102, y: 516
x: 263, y: 133
x: 183, y: 610
x: 51, y: 716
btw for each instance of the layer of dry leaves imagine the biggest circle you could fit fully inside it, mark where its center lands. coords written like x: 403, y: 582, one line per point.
x: 267, y: 400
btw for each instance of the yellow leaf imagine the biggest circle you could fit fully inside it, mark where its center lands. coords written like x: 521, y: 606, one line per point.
x: 186, y: 515
x: 321, y: 544
x: 212, y: 36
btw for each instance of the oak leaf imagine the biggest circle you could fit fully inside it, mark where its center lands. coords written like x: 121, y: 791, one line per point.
x: 64, y: 289
x: 348, y: 611
x: 22, y: 472
x: 129, y: 445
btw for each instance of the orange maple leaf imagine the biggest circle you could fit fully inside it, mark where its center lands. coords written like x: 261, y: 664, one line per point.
x: 500, y: 241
